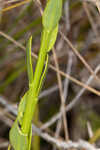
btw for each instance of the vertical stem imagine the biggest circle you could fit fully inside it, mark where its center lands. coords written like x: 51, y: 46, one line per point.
x: 36, y: 138
x: 31, y: 103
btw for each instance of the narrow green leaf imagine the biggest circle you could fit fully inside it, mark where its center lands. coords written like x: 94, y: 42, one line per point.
x: 29, y: 61
x: 52, y: 38
x: 31, y: 101
x: 43, y: 76
x: 21, y: 131
x: 52, y: 14
x: 19, y: 141
x: 48, y: 38
x: 21, y: 108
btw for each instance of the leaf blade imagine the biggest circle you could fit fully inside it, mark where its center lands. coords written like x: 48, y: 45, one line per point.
x: 29, y: 61
x: 52, y: 14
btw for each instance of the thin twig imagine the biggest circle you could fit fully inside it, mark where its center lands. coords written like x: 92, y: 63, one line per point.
x: 12, y: 1
x: 62, y: 97
x: 65, y: 93
x: 67, y: 20
x: 90, y: 132
x: 38, y: 3
x: 15, y: 5
x: 68, y: 71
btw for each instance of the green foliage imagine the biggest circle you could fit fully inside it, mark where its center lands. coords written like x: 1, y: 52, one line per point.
x: 20, y: 134
x: 52, y: 37
x: 17, y: 138
x: 29, y: 61
x: 52, y: 14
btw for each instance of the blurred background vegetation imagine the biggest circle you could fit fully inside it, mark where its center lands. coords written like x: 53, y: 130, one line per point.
x: 80, y: 22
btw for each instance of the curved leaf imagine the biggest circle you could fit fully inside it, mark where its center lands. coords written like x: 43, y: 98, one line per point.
x: 18, y: 140
x: 52, y: 14
x: 52, y: 38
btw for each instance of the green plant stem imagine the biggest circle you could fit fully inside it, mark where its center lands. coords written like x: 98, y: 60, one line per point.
x: 28, y: 115
x: 36, y: 138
